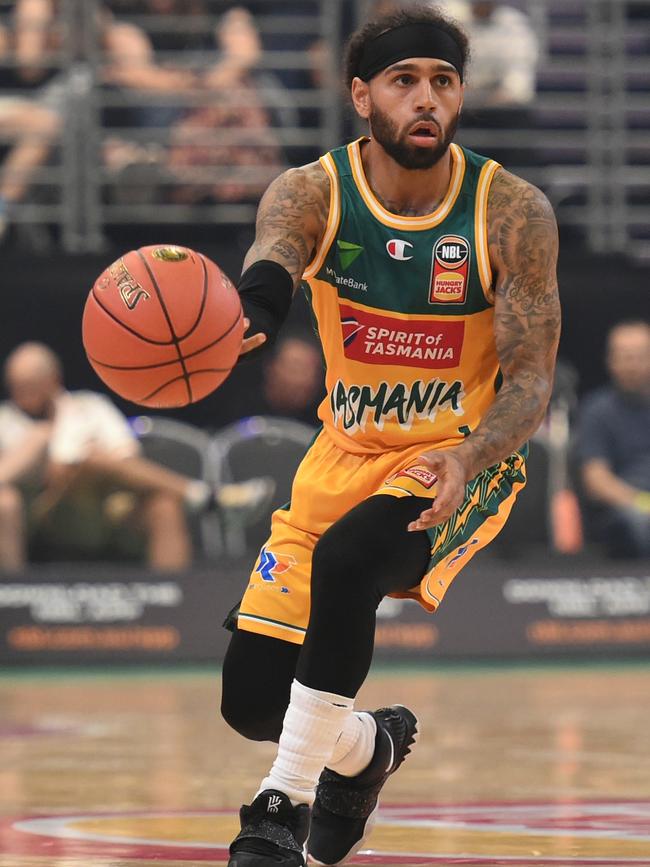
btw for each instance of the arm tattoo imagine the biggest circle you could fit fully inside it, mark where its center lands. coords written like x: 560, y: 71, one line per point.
x: 522, y: 236
x: 291, y: 219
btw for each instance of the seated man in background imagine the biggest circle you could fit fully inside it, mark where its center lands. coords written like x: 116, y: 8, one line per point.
x: 67, y: 456
x: 505, y: 56
x: 615, y: 444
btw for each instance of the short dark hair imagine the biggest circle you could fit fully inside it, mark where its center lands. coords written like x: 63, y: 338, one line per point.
x: 413, y: 15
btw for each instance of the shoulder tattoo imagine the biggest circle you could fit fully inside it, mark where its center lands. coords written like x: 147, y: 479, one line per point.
x: 291, y: 218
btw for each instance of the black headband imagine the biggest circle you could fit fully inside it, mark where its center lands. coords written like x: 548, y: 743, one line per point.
x: 409, y: 40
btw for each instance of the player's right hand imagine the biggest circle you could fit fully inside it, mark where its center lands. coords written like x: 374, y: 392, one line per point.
x: 450, y: 488
x: 253, y: 342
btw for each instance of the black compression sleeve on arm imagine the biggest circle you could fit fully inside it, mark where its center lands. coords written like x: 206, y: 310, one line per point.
x: 265, y: 290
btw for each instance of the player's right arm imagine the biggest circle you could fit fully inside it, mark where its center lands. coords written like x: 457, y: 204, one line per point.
x: 291, y: 222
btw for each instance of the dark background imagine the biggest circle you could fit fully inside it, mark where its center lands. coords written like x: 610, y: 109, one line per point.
x: 43, y: 298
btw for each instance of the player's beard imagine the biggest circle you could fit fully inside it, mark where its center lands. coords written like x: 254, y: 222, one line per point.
x: 385, y: 133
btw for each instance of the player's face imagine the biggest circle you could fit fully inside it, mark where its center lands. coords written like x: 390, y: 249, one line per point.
x: 413, y: 108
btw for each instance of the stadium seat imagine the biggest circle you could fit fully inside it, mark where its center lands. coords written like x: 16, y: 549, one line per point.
x: 183, y: 448
x: 257, y: 446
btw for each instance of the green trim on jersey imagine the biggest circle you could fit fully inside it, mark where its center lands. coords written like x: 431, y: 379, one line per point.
x: 372, y: 277
x: 487, y: 499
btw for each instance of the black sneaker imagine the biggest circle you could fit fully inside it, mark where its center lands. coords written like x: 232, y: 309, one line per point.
x: 345, y: 807
x: 272, y: 832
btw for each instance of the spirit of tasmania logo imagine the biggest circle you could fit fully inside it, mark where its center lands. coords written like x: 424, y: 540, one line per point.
x: 376, y: 339
x: 354, y: 406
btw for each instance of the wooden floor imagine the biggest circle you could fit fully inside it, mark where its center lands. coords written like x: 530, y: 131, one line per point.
x: 515, y: 767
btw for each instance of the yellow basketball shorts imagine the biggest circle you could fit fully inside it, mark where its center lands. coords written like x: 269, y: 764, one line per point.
x: 329, y: 482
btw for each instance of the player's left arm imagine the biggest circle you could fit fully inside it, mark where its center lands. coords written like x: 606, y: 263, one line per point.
x: 523, y: 244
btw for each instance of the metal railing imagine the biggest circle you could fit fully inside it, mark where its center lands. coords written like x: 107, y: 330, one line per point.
x: 129, y: 153
x: 116, y: 163
x: 588, y: 146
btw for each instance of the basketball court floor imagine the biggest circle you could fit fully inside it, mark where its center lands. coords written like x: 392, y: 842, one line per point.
x: 515, y: 766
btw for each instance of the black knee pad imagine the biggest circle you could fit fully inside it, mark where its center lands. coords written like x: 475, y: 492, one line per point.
x: 370, y: 549
x: 257, y: 676
x: 339, y: 550
x: 253, y: 722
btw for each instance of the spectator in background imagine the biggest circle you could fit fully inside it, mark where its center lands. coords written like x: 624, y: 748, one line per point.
x: 505, y: 54
x: 292, y: 378
x: 614, y: 444
x: 30, y: 120
x: 65, y: 455
x: 245, y: 161
x: 293, y: 381
x: 156, y: 96
x: 503, y: 73
x: 222, y: 147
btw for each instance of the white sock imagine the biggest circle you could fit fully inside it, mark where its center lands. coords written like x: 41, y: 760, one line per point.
x: 356, y: 745
x: 197, y: 494
x: 312, y: 724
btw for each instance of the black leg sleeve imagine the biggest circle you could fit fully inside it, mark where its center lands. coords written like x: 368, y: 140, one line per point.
x: 361, y: 558
x: 257, y: 676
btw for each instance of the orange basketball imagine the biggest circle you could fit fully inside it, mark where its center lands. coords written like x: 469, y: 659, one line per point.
x: 163, y: 326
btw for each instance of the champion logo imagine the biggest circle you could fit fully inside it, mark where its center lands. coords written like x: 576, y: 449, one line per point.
x: 397, y: 249
x: 274, y: 804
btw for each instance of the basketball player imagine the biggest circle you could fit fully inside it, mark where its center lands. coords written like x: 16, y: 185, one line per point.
x: 431, y: 273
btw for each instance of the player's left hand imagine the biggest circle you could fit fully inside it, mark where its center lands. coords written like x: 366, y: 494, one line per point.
x: 450, y: 488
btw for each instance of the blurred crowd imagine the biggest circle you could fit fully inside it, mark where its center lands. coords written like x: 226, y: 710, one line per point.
x: 198, y: 101
x: 77, y: 480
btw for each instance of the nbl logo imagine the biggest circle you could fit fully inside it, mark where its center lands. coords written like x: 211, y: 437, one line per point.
x: 451, y: 252
x: 170, y: 254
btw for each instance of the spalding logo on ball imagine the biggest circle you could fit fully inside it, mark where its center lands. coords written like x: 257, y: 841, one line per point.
x: 163, y: 326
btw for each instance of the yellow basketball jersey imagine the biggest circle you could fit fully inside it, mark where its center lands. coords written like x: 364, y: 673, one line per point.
x: 403, y: 307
